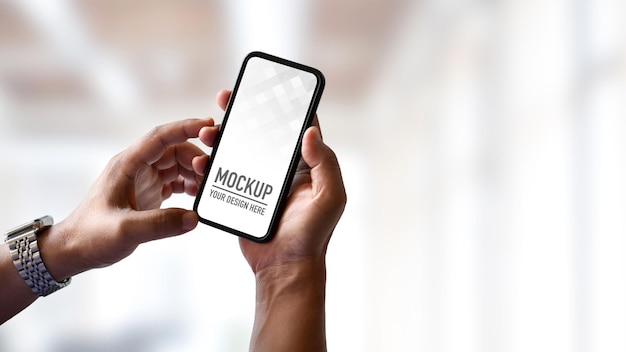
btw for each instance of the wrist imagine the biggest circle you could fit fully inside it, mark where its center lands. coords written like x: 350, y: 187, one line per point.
x: 292, y: 277
x: 25, y: 253
x: 56, y: 252
x: 291, y: 299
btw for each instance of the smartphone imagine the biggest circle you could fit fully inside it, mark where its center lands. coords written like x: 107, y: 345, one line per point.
x: 258, y: 147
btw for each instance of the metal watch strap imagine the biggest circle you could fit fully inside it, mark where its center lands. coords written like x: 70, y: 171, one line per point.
x: 27, y: 257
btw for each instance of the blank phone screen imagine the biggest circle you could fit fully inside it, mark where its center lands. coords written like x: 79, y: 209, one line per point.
x: 270, y: 108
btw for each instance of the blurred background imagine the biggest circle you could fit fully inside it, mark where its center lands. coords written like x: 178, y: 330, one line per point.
x: 481, y: 144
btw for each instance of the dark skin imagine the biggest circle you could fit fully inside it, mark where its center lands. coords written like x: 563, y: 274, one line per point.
x: 122, y: 210
x: 290, y: 270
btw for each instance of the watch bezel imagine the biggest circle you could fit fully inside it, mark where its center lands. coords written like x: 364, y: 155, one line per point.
x: 35, y: 225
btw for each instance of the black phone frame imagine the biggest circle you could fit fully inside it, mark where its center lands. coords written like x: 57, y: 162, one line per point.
x: 295, y: 159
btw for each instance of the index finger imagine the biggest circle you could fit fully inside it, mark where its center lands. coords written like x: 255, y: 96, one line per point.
x: 222, y: 98
x: 152, y: 146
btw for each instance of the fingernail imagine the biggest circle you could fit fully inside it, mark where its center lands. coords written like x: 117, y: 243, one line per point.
x: 318, y: 136
x: 190, y: 220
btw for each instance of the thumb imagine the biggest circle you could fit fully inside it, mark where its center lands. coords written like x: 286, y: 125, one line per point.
x: 326, y: 179
x: 155, y: 224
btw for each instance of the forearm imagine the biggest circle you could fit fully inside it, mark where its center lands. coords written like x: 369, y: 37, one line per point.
x: 15, y: 295
x: 290, y: 308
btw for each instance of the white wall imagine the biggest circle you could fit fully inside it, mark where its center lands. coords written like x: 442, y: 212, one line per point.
x: 485, y: 169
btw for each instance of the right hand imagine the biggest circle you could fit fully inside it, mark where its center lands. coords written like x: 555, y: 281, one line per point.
x: 315, y: 203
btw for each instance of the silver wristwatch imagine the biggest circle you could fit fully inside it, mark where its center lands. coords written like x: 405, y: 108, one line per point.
x: 27, y: 259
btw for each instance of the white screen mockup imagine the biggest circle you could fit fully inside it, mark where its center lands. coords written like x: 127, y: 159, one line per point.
x: 258, y: 143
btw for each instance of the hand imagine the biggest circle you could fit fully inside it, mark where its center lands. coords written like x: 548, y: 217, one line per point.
x: 290, y: 269
x: 316, y: 201
x: 122, y: 209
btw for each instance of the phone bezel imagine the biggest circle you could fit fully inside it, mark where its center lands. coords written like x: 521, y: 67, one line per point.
x: 287, y: 180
